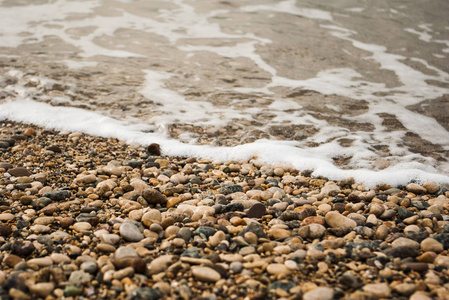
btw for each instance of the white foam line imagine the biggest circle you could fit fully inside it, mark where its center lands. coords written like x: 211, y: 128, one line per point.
x: 78, y: 120
x: 289, y: 6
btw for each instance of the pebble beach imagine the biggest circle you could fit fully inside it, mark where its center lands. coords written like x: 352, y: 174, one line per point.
x: 84, y: 217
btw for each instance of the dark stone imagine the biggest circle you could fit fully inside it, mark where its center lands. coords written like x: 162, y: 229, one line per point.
x: 133, y: 163
x: 154, y: 149
x: 256, y: 211
x: 446, y: 227
x: 293, y: 224
x: 16, y: 282
x: 339, y: 231
x: 22, y: 224
x: 5, y: 230
x: 420, y: 204
x: 291, y: 215
x: 404, y: 213
x: 19, y: 137
x: 22, y: 186
x: 372, y: 245
x: 145, y: 293
x: 338, y: 200
x: 22, y: 248
x: 443, y: 238
x: 274, y: 182
x: 208, y: 167
x: 340, y: 207
x: 206, y: 230
x: 85, y: 217
x: 417, y: 236
x: 19, y: 172
x: 4, y: 144
x: 45, y: 240
x: 137, y: 263
x: 416, y: 266
x: 72, y: 291
x: 5, y: 166
x: 282, y: 284
x: 54, y: 148
x: 152, y: 164
x: 389, y: 214
x: 402, y: 252
x: 255, y: 228
x: 153, y: 196
x: 349, y: 280
x: 234, y: 207
x: 8, y: 142
x: 227, y: 189
x: 438, y: 217
x: 88, y: 209
x: 57, y: 195
x: 41, y: 202
x: 195, y: 180
x: 219, y: 208
x: 191, y: 252
x: 273, y: 201
x: 185, y: 233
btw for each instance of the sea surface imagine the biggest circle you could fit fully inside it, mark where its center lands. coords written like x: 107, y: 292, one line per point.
x: 344, y: 88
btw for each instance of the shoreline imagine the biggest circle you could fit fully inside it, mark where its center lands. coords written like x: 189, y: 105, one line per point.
x: 135, y: 226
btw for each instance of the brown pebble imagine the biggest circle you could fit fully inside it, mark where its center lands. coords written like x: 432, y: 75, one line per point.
x: 137, y: 263
x: 5, y: 166
x: 313, y: 220
x: 154, y: 149
x: 256, y: 211
x: 154, y: 197
x: 19, y: 172
x: 55, y: 149
x: 427, y: 257
x: 417, y: 266
x: 5, y: 230
x: 30, y: 132
x: 66, y: 222
x: 11, y: 260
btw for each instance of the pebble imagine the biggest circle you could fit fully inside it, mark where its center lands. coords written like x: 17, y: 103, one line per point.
x: 124, y: 251
x: 257, y: 210
x: 89, y: 267
x: 405, y: 242
x: 381, y: 290
x: 19, y: 172
x: 78, y: 278
x: 431, y: 187
x: 320, y: 293
x: 415, y: 188
x: 42, y: 289
x: 405, y: 289
x: 130, y: 232
x: 160, y: 264
x: 433, y: 245
x: 335, y: 220
x: 82, y: 226
x: 236, y: 267
x: 110, y: 238
x: 278, y: 269
x: 279, y: 233
x: 316, y: 231
x: 41, y: 261
x: 205, y: 274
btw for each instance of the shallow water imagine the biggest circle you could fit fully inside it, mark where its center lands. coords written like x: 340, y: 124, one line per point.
x: 342, y: 88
